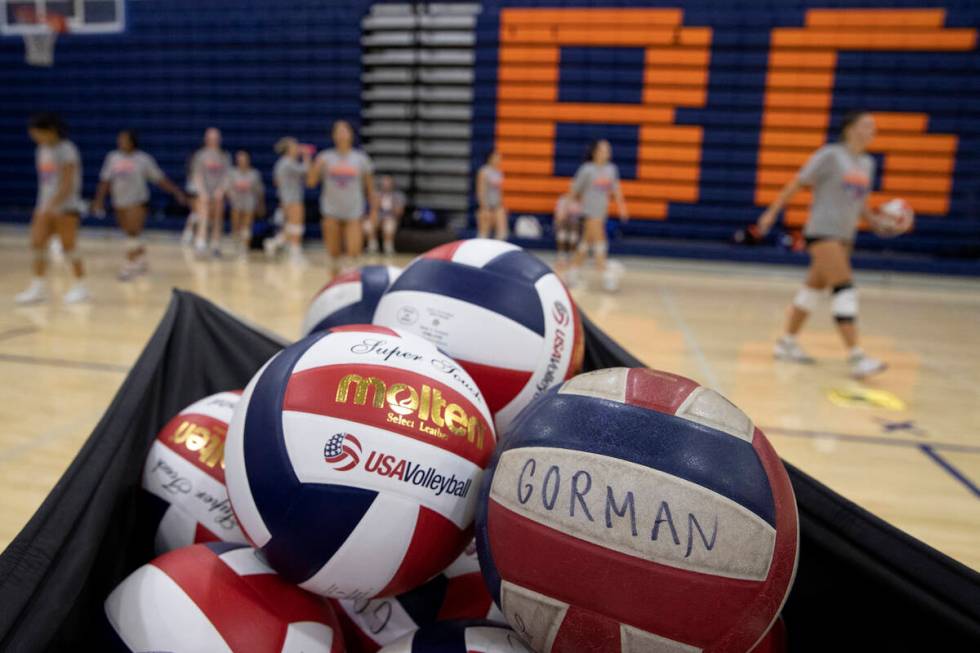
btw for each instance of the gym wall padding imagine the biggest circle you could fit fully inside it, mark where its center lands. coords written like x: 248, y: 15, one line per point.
x: 710, y: 104
x: 861, y: 584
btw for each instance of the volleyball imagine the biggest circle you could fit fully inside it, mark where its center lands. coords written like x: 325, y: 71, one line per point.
x: 630, y: 488
x: 498, y: 310
x: 217, y: 597
x: 184, y: 476
x: 895, y: 217
x: 349, y: 298
x: 456, y: 593
x: 354, y: 458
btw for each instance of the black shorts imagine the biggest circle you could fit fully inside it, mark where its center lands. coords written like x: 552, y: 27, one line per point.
x: 817, y: 239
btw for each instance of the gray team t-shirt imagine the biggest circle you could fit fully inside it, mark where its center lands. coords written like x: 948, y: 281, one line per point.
x: 493, y: 181
x: 49, y: 160
x: 290, y: 177
x: 841, y: 182
x: 244, y: 189
x: 212, y: 167
x: 389, y: 202
x: 127, y: 174
x: 594, y: 183
x: 342, y: 193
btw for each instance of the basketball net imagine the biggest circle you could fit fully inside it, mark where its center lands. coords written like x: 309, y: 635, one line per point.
x: 39, y: 46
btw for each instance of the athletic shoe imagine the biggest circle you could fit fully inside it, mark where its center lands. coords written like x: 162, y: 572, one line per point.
x: 76, y: 294
x: 35, y: 293
x: 187, y: 237
x: 389, y: 249
x: 372, y: 246
x: 864, y: 366
x: 297, y: 258
x: 216, y: 252
x: 787, y: 349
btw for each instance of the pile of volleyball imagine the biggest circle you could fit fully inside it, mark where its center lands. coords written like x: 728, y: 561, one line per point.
x: 426, y: 470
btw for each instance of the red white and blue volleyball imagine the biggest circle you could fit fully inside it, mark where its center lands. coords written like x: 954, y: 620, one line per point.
x: 498, y: 310
x: 354, y: 460
x: 460, y: 637
x: 457, y: 593
x: 633, y: 509
x: 184, y: 476
x: 217, y: 597
x: 349, y: 298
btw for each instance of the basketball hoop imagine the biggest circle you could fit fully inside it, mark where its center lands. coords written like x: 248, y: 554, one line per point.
x: 39, y: 42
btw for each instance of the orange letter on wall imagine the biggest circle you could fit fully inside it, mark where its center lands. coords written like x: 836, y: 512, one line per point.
x: 675, y: 75
x: 799, y: 90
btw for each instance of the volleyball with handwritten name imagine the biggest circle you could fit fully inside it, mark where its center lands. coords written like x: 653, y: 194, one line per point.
x: 497, y: 309
x: 634, y: 510
x: 184, y: 476
x: 354, y: 459
x: 461, y: 636
x: 457, y: 593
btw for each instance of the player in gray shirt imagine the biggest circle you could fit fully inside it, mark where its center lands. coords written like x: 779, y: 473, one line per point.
x: 124, y: 177
x: 210, y: 168
x: 289, y: 176
x: 347, y: 191
x: 246, y: 195
x: 59, y: 205
x: 391, y: 207
x: 841, y: 176
x: 491, y: 214
x: 595, y: 181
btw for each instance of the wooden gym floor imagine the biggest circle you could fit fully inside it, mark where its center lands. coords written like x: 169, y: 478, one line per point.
x: 905, y: 446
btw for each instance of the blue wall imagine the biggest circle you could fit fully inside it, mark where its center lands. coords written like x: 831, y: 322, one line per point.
x: 260, y: 70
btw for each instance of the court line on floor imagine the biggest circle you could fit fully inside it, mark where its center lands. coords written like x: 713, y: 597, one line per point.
x: 689, y: 338
x: 20, y: 331
x: 62, y: 362
x: 869, y: 439
x: 950, y: 469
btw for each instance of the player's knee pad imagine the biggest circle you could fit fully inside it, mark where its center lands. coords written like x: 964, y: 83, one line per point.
x: 388, y: 227
x: 600, y: 248
x: 294, y: 229
x: 561, y: 236
x: 367, y: 227
x: 572, y: 236
x: 806, y: 299
x: 583, y: 247
x: 844, y: 305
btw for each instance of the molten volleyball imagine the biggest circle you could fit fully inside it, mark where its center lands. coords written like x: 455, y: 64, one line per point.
x: 498, y: 310
x: 459, y: 637
x: 353, y: 461
x: 632, y: 509
x: 457, y: 593
x: 217, y: 597
x: 350, y: 298
x: 184, y: 476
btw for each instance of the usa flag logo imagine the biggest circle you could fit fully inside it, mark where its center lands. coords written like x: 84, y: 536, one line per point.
x: 343, y: 451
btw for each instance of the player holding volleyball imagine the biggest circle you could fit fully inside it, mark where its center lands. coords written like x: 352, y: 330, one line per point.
x: 594, y: 182
x: 124, y: 176
x: 58, y: 208
x: 347, y: 189
x: 841, y: 176
x: 209, y: 178
x: 246, y: 195
x: 289, y: 175
x: 491, y: 214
